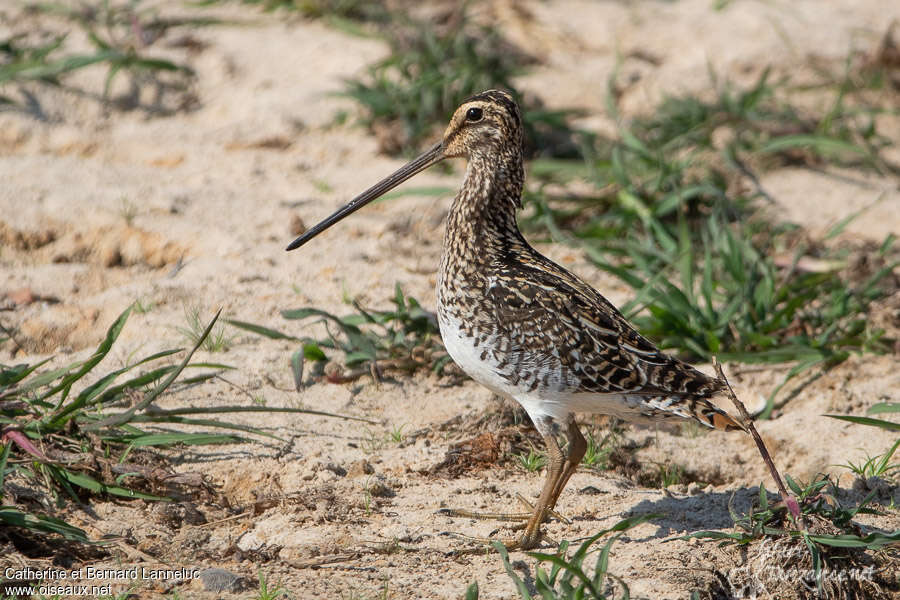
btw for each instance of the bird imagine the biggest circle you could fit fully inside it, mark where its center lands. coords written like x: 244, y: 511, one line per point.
x: 525, y: 327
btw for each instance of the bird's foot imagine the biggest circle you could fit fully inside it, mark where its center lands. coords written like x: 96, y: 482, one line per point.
x: 519, y: 516
x: 520, y: 543
x: 528, y: 521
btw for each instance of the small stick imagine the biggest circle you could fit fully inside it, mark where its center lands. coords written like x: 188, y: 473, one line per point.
x: 789, y: 499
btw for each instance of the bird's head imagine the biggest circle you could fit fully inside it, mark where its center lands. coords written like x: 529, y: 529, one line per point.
x: 485, y: 126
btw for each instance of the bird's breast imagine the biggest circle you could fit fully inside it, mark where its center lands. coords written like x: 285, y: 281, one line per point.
x: 485, y: 350
x: 474, y: 350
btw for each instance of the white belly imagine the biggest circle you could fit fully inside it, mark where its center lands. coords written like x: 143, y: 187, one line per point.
x: 538, y: 403
x: 464, y: 353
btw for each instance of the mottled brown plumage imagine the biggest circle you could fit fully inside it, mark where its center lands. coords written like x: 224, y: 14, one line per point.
x: 525, y: 327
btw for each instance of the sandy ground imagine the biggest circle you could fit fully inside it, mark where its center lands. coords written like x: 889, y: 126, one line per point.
x: 193, y: 210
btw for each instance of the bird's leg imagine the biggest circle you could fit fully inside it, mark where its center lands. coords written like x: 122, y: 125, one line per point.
x: 556, y: 480
x: 538, y: 513
x: 554, y: 470
x: 546, y: 501
x: 574, y: 453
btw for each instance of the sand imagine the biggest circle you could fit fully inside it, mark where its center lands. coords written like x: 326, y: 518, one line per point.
x: 186, y: 202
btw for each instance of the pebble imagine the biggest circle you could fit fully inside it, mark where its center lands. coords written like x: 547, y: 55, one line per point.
x: 219, y: 580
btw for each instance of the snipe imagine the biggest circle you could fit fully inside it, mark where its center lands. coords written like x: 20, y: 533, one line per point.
x: 522, y: 325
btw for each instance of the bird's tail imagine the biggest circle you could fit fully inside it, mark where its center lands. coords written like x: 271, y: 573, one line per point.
x: 674, y: 407
x: 708, y: 414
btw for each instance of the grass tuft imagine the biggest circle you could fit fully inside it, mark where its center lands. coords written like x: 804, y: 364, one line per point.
x: 408, y: 97
x: 877, y: 466
x: 267, y: 591
x: 532, y: 462
x: 598, y: 451
x: 337, y: 11
x: 820, y: 554
x: 194, y: 332
x: 569, y: 577
x: 404, y: 339
x: 880, y: 465
x: 677, y: 212
x: 121, y: 36
x: 63, y: 438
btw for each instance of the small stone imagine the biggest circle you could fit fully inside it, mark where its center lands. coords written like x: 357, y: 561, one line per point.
x: 334, y: 372
x: 219, y: 580
x: 22, y: 296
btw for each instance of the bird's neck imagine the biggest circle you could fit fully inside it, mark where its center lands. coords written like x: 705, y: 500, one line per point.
x: 483, y: 214
x: 481, y: 231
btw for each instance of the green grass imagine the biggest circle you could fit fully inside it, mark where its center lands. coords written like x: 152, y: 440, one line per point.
x: 875, y: 409
x: 532, y: 462
x: 194, y: 332
x: 734, y: 302
x: 409, y: 96
x: 404, y: 339
x: 829, y: 539
x: 877, y: 466
x: 777, y: 551
x: 570, y: 576
x: 880, y: 465
x: 72, y: 433
x: 121, y: 35
x: 396, y: 434
x: 340, y: 10
x: 128, y: 210
x: 267, y: 591
x: 596, y: 455
x: 39, y: 412
x: 670, y: 474
x: 143, y: 306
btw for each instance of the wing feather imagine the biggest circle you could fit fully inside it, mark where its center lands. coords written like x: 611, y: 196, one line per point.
x: 555, y: 319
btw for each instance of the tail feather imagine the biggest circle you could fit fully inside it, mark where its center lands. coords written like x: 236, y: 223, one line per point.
x: 724, y: 422
x: 662, y: 408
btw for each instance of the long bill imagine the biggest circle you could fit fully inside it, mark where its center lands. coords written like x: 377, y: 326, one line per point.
x: 431, y: 156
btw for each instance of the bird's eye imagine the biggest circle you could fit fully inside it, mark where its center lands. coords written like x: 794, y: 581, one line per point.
x: 474, y: 114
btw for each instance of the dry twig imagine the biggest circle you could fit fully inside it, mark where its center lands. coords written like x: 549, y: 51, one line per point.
x: 790, y: 500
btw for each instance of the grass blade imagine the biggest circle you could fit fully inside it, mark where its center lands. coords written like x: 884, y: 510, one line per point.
x: 884, y: 407
x: 91, y: 484
x: 188, y: 439
x: 504, y: 556
x: 124, y: 417
x: 873, y: 540
x: 260, y: 330
x: 261, y: 409
x: 3, y: 458
x: 12, y: 517
x: 890, y: 426
x: 56, y: 420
